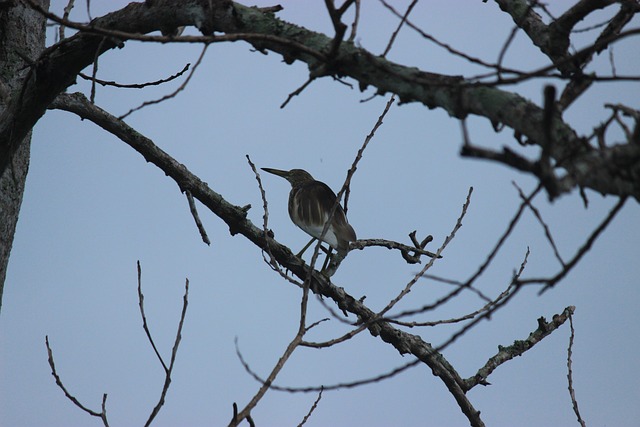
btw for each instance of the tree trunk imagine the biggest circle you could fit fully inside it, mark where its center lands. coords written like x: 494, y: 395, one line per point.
x: 22, y: 37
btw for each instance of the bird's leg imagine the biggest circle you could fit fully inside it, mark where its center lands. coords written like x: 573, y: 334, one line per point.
x: 299, y: 254
x: 327, y: 259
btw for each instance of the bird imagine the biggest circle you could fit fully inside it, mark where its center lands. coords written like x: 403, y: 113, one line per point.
x: 310, y: 205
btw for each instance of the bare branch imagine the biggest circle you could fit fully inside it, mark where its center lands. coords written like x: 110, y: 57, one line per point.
x: 102, y: 415
x: 518, y: 347
x: 65, y: 15
x: 356, y: 19
x: 235, y: 217
x: 494, y: 307
x: 174, y: 353
x: 313, y: 408
x: 402, y: 21
x: 552, y: 281
x: 446, y: 242
x: 196, y: 218
x: 297, y: 91
x: 145, y: 326
x: 268, y: 383
x: 268, y: 234
x: 545, y: 227
x: 135, y: 85
x: 315, y: 389
x: 572, y: 393
x: 167, y: 369
x: 172, y: 94
x: 487, y: 307
x: 389, y: 244
x: 335, y: 261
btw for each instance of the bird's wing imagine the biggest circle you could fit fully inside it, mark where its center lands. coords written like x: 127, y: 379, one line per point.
x: 313, y: 202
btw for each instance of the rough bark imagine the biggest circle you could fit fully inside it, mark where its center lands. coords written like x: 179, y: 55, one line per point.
x: 22, y: 36
x: 613, y: 169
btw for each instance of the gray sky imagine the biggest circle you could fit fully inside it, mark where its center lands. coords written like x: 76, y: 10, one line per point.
x: 93, y: 207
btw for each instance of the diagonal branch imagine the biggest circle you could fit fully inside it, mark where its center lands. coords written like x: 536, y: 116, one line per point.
x: 102, y: 415
x: 518, y: 347
x: 235, y: 217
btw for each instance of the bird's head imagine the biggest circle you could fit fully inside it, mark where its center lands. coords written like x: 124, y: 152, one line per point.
x: 294, y: 176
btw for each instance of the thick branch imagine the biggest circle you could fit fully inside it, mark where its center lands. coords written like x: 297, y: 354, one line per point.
x: 553, y: 39
x: 57, y: 68
x: 235, y: 217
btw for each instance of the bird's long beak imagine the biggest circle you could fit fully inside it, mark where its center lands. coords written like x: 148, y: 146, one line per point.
x: 278, y: 172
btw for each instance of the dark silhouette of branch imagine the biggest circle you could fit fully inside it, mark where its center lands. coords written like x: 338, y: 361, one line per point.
x: 297, y: 91
x: 518, y: 347
x: 448, y: 48
x: 418, y: 275
x: 494, y: 307
x: 136, y: 85
x: 586, y: 168
x: 572, y: 392
x: 235, y: 217
x: 552, y: 281
x: 389, y: 244
x: 271, y: 262
x: 346, y: 187
x: 545, y: 227
x: 356, y: 20
x: 315, y: 389
x: 196, y: 218
x: 168, y: 369
x: 145, y: 326
x: 102, y: 415
x: 487, y: 307
x: 172, y: 94
x: 313, y: 408
x: 295, y: 342
x: 339, y: 27
x: 397, y: 30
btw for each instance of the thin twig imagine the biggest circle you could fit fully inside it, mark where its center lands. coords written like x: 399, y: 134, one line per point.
x: 545, y: 227
x: 552, y: 281
x: 354, y: 166
x: 174, y: 353
x: 395, y: 33
x: 390, y: 244
x: 335, y: 341
x: 65, y: 15
x: 354, y: 25
x: 145, y: 326
x: 315, y: 389
x: 94, y: 71
x: 136, y: 85
x: 495, y: 307
x: 489, y: 305
x: 265, y: 227
x: 572, y: 392
x: 102, y: 415
x: 196, y: 217
x: 445, y: 243
x: 175, y: 92
x: 295, y: 342
x: 313, y: 408
x: 346, y: 187
x: 297, y: 91
x: 458, y: 284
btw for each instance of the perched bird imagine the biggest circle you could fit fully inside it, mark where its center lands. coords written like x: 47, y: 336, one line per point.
x: 310, y: 205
